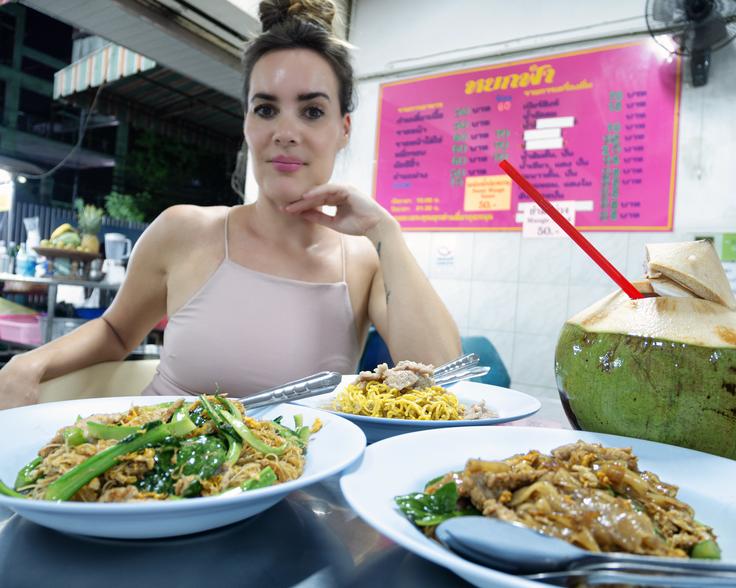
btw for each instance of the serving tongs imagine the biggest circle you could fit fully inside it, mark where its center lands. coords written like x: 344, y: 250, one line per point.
x: 462, y: 368
x: 313, y: 385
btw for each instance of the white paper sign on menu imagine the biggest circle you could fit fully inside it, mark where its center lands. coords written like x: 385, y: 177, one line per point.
x: 537, y: 224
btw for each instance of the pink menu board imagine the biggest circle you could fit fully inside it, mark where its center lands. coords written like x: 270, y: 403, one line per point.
x: 596, y: 129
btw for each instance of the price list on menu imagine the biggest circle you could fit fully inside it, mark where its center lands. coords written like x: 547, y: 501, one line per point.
x: 595, y: 131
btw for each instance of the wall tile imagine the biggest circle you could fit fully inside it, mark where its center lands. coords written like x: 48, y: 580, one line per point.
x: 451, y: 255
x: 492, y: 305
x: 551, y: 414
x: 581, y: 297
x: 545, y: 261
x: 541, y: 309
x: 533, y: 360
x: 420, y: 245
x: 496, y: 257
x: 613, y: 246
x: 456, y: 296
x: 503, y: 341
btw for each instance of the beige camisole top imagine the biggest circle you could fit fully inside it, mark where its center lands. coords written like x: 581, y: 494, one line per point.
x: 246, y: 331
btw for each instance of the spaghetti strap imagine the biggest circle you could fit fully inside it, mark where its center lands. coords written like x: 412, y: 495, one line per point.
x: 342, y: 253
x: 227, y: 218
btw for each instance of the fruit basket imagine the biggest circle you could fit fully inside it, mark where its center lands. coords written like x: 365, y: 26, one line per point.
x: 73, y: 254
x: 68, y: 263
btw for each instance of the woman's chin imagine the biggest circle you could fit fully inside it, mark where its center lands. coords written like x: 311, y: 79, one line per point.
x: 283, y: 196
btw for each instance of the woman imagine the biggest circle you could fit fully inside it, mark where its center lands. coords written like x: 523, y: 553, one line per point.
x: 263, y: 293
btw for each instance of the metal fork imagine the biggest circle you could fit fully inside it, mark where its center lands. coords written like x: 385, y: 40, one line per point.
x: 450, y: 378
x: 462, y: 368
x: 467, y: 360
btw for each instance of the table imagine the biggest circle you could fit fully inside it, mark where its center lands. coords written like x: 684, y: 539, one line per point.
x: 53, y: 284
x: 311, y: 539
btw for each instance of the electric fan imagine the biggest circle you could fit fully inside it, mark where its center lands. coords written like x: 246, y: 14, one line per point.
x: 697, y: 28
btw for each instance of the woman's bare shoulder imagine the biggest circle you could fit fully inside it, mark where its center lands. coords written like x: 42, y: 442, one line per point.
x: 182, y: 228
x: 186, y: 223
x: 189, y: 217
x: 361, y: 251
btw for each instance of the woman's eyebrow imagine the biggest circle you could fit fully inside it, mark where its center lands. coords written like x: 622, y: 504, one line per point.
x: 262, y: 96
x: 300, y: 97
x: 313, y: 95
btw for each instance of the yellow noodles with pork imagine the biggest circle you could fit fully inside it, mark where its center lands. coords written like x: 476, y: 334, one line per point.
x: 433, y: 403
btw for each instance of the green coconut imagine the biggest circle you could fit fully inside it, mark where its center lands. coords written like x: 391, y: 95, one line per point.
x: 661, y: 368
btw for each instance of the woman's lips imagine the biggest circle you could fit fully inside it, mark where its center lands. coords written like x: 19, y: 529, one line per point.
x: 285, y: 165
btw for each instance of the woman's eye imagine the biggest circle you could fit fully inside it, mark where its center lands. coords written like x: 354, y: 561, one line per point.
x: 265, y: 110
x: 314, y: 112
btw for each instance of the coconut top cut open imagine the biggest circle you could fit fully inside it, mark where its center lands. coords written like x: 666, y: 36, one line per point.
x: 688, y: 300
x: 694, y: 266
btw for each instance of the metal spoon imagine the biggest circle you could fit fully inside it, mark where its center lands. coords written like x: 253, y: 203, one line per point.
x: 596, y: 577
x: 514, y: 548
x: 313, y: 385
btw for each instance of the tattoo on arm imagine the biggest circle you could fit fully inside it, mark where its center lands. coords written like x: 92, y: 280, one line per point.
x: 385, y: 286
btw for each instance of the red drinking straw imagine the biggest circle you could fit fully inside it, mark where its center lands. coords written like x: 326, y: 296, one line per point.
x: 574, y: 234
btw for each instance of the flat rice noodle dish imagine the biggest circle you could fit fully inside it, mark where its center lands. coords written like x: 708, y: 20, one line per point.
x: 165, y: 451
x: 589, y: 495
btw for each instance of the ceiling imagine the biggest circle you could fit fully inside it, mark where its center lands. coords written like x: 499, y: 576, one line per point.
x: 200, y: 39
x: 154, y: 29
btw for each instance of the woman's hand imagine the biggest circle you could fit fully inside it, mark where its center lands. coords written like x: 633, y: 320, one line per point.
x: 356, y: 214
x: 19, y: 383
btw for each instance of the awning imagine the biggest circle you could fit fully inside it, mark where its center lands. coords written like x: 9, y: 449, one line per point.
x: 107, y: 64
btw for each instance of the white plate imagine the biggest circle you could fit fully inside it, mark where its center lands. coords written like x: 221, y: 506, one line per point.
x: 509, y: 405
x: 23, y: 431
x: 403, y: 464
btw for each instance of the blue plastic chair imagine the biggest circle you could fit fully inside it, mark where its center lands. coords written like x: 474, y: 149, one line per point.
x: 376, y: 352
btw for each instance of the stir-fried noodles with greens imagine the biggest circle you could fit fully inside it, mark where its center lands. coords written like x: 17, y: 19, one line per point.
x: 165, y: 451
x: 592, y: 496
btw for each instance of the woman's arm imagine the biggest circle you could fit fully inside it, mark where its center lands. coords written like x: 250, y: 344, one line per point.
x: 138, y: 306
x: 403, y: 306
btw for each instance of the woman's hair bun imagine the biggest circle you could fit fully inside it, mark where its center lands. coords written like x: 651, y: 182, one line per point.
x: 275, y: 12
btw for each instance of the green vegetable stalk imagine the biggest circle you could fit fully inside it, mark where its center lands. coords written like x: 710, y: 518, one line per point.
x: 73, y: 436
x: 266, y: 477
x: 25, y: 475
x: 72, y: 481
x: 250, y: 438
x: 229, y: 423
x: 706, y: 550
x: 7, y: 491
x: 102, y: 431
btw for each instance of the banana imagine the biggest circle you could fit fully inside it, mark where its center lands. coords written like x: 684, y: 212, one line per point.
x: 60, y: 230
x: 66, y: 240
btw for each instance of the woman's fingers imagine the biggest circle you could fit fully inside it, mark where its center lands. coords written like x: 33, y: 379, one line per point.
x: 316, y: 216
x: 326, y: 195
x: 325, y: 189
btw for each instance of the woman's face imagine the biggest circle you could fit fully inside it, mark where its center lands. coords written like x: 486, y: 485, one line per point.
x: 293, y: 124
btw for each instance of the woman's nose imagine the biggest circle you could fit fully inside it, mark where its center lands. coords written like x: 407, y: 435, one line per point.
x: 285, y: 134
x: 283, y: 139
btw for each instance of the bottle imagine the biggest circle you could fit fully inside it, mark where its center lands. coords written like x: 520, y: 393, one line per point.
x: 21, y: 259
x: 4, y: 258
x: 31, y: 261
x: 11, y: 253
